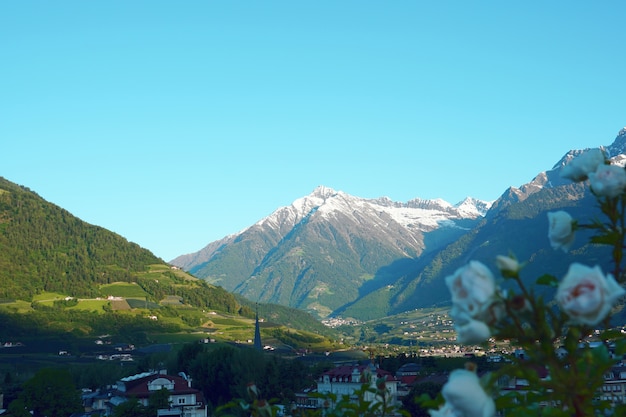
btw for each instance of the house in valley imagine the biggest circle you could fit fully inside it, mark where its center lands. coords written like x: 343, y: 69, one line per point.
x: 184, y: 400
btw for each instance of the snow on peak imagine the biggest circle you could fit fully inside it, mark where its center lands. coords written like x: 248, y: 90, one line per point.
x: 417, y: 213
x: 322, y: 191
x: 618, y: 147
x: 473, y: 207
x: 434, y: 204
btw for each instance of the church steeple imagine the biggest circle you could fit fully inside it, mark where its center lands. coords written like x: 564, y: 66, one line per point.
x: 257, y: 331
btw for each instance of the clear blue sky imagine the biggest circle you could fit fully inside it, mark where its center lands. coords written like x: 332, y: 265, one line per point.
x: 175, y: 123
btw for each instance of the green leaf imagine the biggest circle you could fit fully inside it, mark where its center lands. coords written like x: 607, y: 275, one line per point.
x: 611, y: 334
x: 620, y: 347
x: 609, y: 238
x: 548, y: 280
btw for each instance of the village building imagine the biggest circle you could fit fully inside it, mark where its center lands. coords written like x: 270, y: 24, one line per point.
x: 345, y: 380
x: 614, y: 387
x: 407, y: 375
x: 184, y: 400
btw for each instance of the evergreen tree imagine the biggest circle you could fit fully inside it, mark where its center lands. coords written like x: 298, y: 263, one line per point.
x: 51, y: 392
x: 130, y: 408
x: 17, y: 408
x: 158, y: 400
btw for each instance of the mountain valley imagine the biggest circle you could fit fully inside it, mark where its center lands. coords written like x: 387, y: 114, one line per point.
x: 328, y: 255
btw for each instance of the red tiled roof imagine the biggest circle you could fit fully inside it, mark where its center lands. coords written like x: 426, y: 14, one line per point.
x: 139, y: 387
x: 408, y: 379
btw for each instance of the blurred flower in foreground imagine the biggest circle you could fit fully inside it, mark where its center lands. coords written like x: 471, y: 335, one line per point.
x: 584, y: 164
x: 608, y: 180
x: 561, y: 230
x: 470, y: 331
x: 473, y: 289
x: 465, y: 397
x: 586, y: 295
x: 507, y: 265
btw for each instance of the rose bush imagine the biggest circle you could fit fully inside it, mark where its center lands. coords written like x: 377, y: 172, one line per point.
x: 554, y: 336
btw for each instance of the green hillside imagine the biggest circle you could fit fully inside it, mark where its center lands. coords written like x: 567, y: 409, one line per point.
x: 45, y: 248
x: 60, y: 276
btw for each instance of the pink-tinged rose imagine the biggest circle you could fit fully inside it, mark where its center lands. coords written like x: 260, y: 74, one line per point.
x: 468, y: 330
x: 584, y: 164
x: 608, y: 180
x: 586, y: 295
x: 561, y: 230
x: 473, y: 288
x: 464, y: 394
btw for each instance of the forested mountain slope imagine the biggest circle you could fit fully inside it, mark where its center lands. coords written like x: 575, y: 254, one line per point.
x: 45, y: 248
x: 60, y: 276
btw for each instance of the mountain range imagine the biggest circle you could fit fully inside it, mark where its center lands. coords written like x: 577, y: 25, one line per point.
x: 328, y: 247
x: 334, y: 254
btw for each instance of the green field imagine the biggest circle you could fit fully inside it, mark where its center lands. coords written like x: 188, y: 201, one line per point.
x: 142, y: 303
x: 229, y: 322
x: 90, y: 305
x: 123, y: 289
x: 48, y: 296
x: 17, y: 306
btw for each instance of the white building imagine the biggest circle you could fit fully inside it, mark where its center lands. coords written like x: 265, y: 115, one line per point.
x: 184, y: 400
x: 346, y: 379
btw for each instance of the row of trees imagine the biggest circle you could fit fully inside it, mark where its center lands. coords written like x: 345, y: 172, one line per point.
x: 221, y: 373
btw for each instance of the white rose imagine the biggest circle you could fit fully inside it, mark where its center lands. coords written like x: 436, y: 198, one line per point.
x: 468, y: 330
x: 472, y: 287
x: 464, y: 394
x: 580, y: 167
x: 586, y: 295
x: 560, y: 232
x: 507, y: 265
x: 444, y: 411
x: 608, y: 180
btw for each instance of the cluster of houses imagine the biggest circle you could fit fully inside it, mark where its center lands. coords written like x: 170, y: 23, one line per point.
x: 342, y: 380
x: 11, y: 344
x: 345, y: 380
x: 184, y: 400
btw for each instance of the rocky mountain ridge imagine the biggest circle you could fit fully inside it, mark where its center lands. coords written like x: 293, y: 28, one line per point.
x: 329, y: 247
x: 332, y: 253
x: 416, y: 214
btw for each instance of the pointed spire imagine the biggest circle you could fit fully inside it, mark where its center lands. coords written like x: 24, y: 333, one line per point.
x: 257, y: 331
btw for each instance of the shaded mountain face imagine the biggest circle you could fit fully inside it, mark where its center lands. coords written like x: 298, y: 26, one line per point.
x: 517, y: 224
x: 336, y: 254
x: 330, y: 248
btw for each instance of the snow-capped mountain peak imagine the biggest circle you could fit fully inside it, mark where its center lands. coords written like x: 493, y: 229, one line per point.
x: 416, y: 214
x: 472, y: 207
